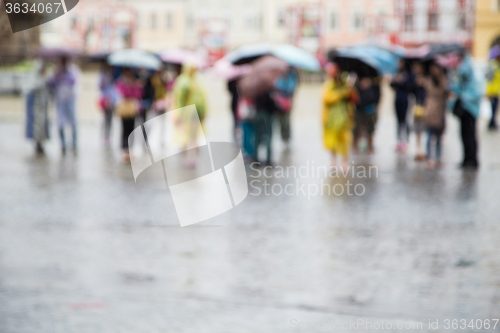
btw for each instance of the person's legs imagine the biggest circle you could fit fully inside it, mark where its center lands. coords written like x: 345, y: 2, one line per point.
x: 108, y: 120
x: 371, y: 123
x: 494, y: 110
x: 268, y: 121
x: 259, y: 133
x: 284, y: 120
x: 403, y: 128
x: 127, y: 128
x: 63, y: 140
x: 429, y: 146
x: 438, y: 147
x: 75, y: 135
x: 468, y: 129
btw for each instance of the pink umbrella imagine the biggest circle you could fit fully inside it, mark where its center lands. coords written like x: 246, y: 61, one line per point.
x: 179, y: 57
x: 226, y: 70
x: 56, y: 52
x: 419, y: 52
x: 450, y: 60
x: 262, y: 77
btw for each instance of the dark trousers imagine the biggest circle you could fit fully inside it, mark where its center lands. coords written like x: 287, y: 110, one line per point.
x: 108, y: 121
x: 469, y: 139
x: 284, y: 120
x: 127, y: 128
x: 403, y: 130
x: 494, y: 110
x: 263, y: 134
x: 63, y: 137
x: 434, y: 135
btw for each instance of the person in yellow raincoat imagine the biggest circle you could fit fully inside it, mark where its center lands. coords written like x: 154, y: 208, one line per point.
x: 338, y: 114
x: 188, y: 91
x: 493, y: 90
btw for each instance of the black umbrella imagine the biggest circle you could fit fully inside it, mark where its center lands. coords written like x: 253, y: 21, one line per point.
x: 248, y: 53
x: 99, y: 57
x: 352, y: 62
x: 442, y: 49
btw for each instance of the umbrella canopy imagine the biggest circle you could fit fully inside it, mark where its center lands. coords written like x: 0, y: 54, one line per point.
x: 180, y: 56
x: 56, y: 52
x: 449, y: 60
x: 494, y: 52
x: 352, y: 60
x: 418, y: 53
x: 248, y: 53
x: 387, y: 60
x: 442, y: 49
x: 397, y: 50
x: 226, y: 70
x: 262, y: 76
x: 99, y: 57
x: 297, y: 57
x: 134, y: 58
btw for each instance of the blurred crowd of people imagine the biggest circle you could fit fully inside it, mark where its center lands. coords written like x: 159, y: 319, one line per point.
x: 424, y: 90
x: 262, y: 98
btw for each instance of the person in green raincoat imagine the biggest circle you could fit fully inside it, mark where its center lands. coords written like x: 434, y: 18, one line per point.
x: 188, y: 91
x: 338, y: 115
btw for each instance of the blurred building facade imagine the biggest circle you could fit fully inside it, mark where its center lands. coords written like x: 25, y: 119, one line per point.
x: 487, y: 27
x: 218, y: 26
x: 350, y: 22
x: 16, y: 46
x: 92, y: 27
x: 435, y: 21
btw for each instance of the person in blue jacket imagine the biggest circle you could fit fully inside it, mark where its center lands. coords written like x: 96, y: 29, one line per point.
x: 465, y: 101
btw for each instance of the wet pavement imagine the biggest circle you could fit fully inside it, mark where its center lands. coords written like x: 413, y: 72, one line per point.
x: 83, y: 249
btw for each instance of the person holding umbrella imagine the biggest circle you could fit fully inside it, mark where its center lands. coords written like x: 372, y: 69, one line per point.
x: 107, y: 99
x: 419, y: 92
x: 285, y: 87
x: 402, y: 83
x: 130, y: 91
x: 63, y: 84
x: 366, y: 111
x: 37, y: 104
x: 188, y: 91
x: 436, y: 90
x: 258, y: 86
x: 493, y: 86
x: 465, y: 101
x: 339, y: 99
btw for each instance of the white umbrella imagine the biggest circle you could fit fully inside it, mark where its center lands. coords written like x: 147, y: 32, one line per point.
x: 134, y: 58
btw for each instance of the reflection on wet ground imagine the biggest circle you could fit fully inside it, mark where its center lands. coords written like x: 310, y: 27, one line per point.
x: 83, y: 249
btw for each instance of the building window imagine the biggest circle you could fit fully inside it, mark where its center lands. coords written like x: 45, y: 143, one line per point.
x: 357, y: 21
x: 462, y: 21
x: 408, y: 22
x: 169, y: 21
x: 333, y: 21
x: 281, y: 20
x: 252, y: 20
x: 433, y: 21
x: 153, y: 21
x: 495, y: 6
x: 433, y: 5
x: 189, y: 21
x: 409, y: 6
x: 461, y: 4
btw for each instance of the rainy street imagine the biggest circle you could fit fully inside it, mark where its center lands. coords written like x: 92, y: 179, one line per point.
x: 84, y: 249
